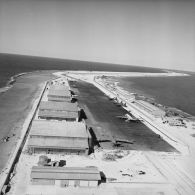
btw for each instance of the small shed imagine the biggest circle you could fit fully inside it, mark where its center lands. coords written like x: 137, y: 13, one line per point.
x: 65, y: 176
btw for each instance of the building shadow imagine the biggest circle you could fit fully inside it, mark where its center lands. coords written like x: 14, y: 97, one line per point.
x: 82, y: 115
x: 103, y: 178
x: 93, y: 142
x: 74, y: 100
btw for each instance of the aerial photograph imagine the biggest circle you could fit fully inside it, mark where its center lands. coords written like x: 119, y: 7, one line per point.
x: 97, y: 97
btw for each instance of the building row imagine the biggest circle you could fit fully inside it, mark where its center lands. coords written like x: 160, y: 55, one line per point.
x: 57, y: 128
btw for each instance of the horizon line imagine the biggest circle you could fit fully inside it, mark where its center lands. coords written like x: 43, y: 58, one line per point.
x: 79, y: 60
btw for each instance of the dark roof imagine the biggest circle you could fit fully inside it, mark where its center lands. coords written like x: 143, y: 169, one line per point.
x: 58, y: 106
x: 57, y: 114
x: 66, y: 173
x: 58, y: 128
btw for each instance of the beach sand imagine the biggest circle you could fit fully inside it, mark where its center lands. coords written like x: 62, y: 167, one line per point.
x: 15, y: 105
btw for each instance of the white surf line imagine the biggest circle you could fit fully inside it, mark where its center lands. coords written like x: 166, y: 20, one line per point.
x: 118, y: 74
x: 6, y: 171
x: 121, y: 74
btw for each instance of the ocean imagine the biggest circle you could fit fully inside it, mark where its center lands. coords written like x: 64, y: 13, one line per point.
x: 11, y: 65
x: 170, y: 91
x: 178, y: 92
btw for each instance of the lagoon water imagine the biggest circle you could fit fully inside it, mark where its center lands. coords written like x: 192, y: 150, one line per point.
x: 178, y: 92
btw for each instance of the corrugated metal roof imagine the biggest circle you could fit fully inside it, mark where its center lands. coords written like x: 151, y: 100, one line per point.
x: 59, y: 87
x: 66, y: 169
x: 60, y: 99
x: 61, y: 106
x: 58, y: 143
x: 65, y: 173
x: 56, y: 128
x: 61, y: 93
x: 57, y: 114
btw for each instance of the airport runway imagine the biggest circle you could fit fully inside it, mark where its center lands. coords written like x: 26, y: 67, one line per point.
x: 101, y: 116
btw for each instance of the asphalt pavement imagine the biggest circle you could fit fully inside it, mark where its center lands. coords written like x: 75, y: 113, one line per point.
x: 102, y: 115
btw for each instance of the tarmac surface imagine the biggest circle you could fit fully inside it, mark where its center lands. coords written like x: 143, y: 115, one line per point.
x: 102, y: 115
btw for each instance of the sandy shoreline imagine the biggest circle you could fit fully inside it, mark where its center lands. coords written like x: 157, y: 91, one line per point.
x: 15, y: 104
x: 9, y: 84
x: 122, y: 74
x: 11, y: 81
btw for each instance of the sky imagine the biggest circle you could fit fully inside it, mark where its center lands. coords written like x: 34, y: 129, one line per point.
x: 154, y: 33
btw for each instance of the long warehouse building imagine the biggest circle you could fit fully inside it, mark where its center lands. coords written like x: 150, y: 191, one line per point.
x: 55, y: 136
x: 65, y: 176
x: 60, y: 116
x: 59, y: 87
x: 59, y: 111
x: 59, y: 93
x: 59, y: 106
